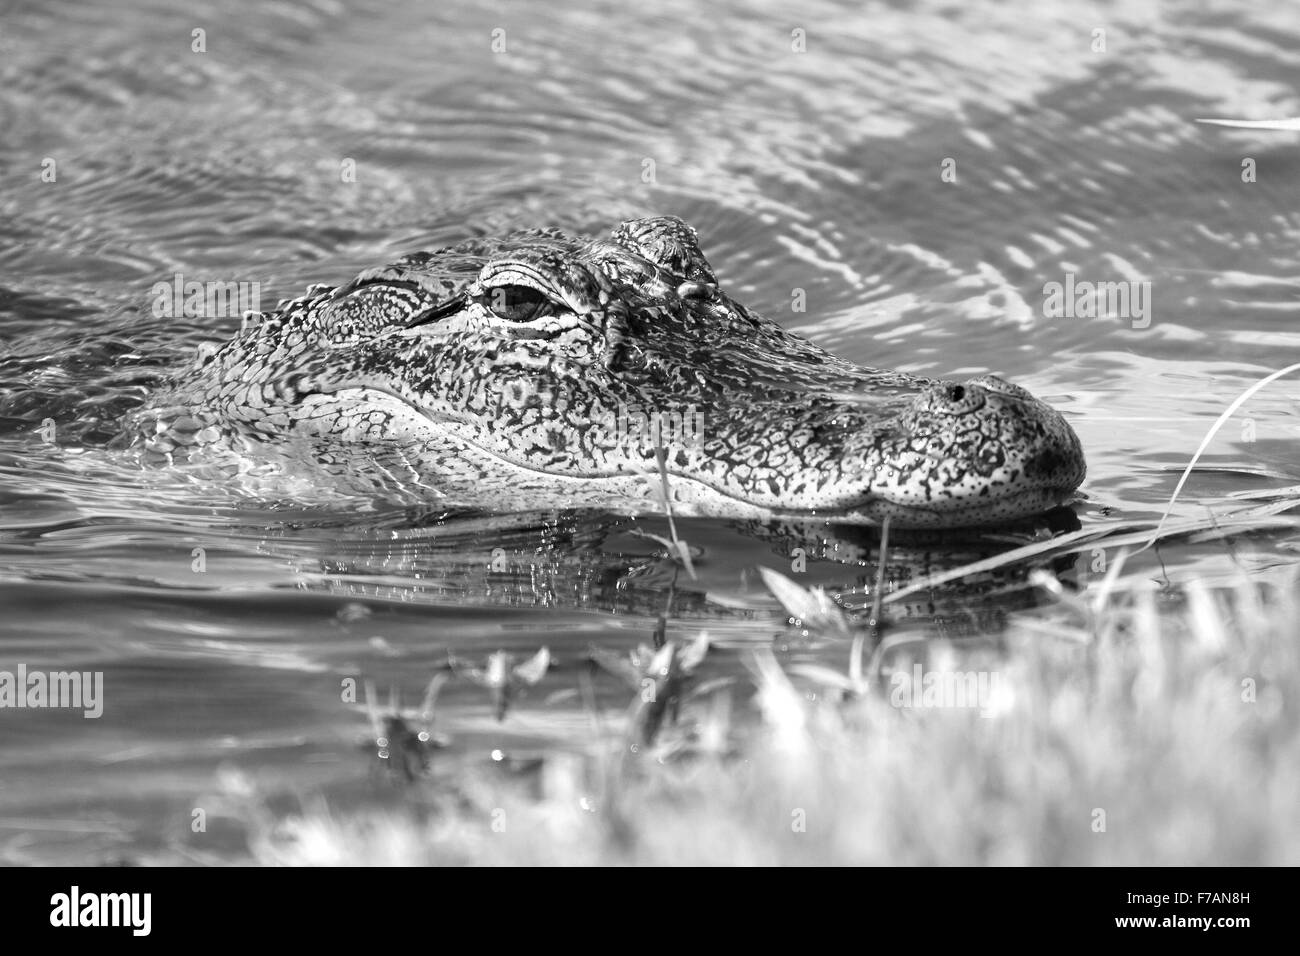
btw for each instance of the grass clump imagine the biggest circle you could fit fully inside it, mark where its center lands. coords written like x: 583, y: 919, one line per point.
x: 1135, y: 725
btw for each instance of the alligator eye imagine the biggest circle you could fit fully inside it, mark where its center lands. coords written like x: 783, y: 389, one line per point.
x: 517, y: 303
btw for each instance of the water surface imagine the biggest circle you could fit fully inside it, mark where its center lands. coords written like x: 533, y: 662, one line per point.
x: 806, y: 142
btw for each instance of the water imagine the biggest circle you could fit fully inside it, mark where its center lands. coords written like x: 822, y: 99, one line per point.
x: 819, y: 171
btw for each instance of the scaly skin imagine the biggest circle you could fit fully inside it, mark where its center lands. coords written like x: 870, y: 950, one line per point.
x: 507, y: 375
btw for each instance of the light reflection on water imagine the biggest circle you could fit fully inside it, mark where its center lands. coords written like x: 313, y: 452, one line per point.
x: 816, y: 171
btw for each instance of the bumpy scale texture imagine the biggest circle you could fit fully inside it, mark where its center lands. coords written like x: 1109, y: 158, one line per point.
x: 529, y: 371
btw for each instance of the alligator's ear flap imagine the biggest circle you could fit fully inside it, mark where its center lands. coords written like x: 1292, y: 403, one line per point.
x: 440, y: 311
x: 669, y: 243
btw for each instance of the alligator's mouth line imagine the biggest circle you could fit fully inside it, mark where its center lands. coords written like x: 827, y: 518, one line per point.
x: 869, y: 509
x: 916, y: 517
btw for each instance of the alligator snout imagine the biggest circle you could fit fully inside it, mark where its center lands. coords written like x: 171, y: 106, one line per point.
x: 974, y: 452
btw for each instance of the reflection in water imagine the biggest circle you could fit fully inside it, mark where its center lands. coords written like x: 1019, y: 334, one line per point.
x: 617, y: 566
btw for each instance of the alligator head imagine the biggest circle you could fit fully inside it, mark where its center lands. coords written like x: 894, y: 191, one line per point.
x: 544, y: 370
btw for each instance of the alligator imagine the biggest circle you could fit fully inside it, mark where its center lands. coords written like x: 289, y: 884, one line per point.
x: 540, y: 370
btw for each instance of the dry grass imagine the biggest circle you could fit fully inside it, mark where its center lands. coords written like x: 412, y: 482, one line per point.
x: 1134, y: 726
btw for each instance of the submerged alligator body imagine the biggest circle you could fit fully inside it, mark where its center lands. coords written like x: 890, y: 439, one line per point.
x: 541, y: 370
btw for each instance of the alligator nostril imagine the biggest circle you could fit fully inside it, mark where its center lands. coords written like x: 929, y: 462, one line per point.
x: 957, y: 393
